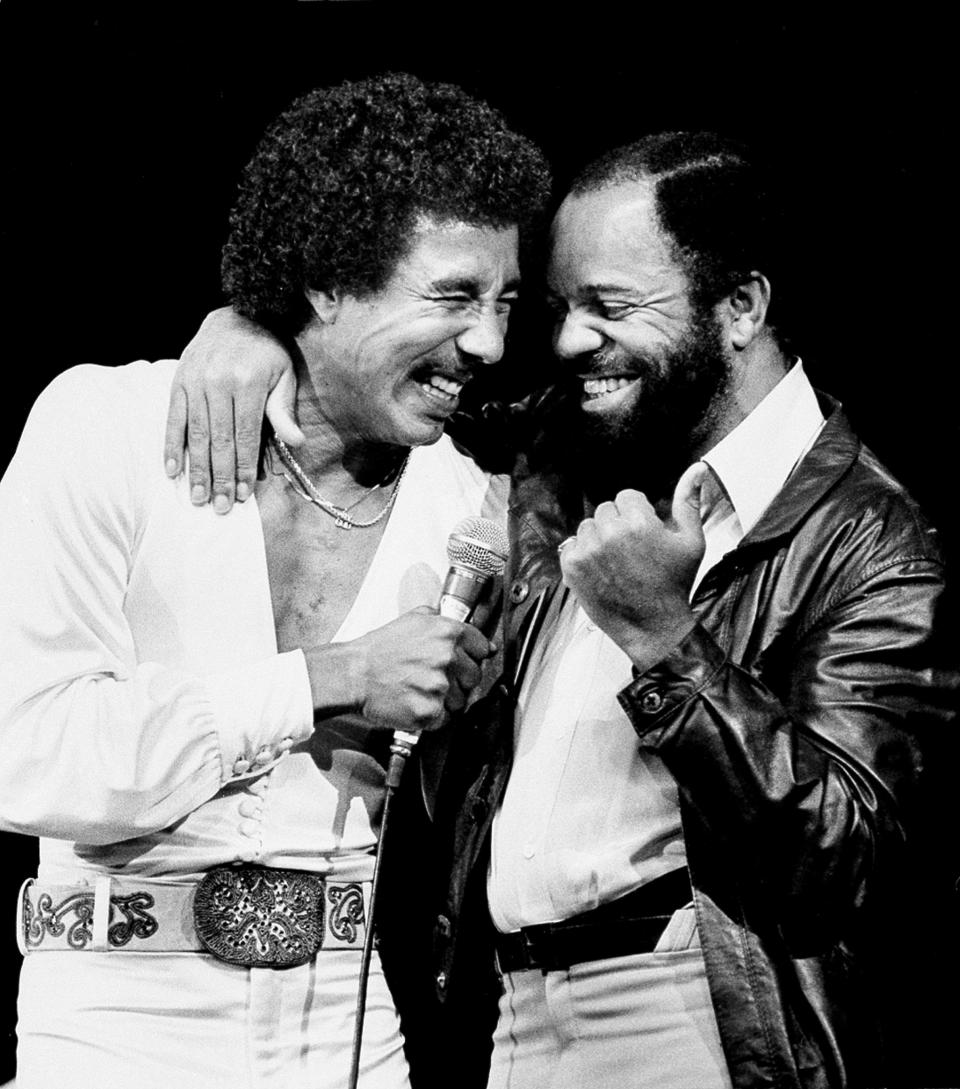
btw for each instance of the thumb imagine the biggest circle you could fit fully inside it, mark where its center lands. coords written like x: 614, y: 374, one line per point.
x: 281, y: 409
x: 685, y: 508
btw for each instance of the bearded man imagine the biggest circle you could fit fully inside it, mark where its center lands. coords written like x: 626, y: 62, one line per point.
x: 673, y: 826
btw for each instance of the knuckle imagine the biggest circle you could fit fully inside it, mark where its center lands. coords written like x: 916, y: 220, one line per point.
x: 221, y: 438
x: 248, y: 435
x: 198, y: 437
x: 424, y: 712
x: 246, y: 374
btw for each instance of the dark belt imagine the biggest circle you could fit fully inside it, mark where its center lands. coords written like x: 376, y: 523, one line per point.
x: 632, y: 924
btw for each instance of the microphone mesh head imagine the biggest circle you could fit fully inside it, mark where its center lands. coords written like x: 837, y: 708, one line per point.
x: 478, y: 544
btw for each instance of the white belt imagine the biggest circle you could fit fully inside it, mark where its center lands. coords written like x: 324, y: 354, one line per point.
x: 246, y: 915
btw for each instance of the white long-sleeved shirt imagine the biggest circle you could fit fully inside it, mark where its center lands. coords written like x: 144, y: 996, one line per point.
x: 147, y: 722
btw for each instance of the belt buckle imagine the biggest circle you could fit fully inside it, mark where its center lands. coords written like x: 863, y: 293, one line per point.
x: 258, y: 917
x: 538, y: 948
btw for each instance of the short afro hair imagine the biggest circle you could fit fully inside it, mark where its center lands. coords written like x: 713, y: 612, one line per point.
x: 332, y: 194
x: 722, y: 208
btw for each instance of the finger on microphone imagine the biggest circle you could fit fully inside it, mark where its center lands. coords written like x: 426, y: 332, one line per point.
x: 474, y: 643
x: 685, y: 508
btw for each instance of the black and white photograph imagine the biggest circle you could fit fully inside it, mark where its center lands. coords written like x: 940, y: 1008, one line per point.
x: 478, y: 551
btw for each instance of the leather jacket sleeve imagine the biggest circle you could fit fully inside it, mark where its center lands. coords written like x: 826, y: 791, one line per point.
x: 803, y: 767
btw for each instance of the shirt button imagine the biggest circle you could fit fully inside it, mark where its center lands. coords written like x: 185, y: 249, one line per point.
x: 264, y: 756
x: 529, y: 850
x: 241, y: 766
x: 250, y: 828
x: 651, y: 701
x: 250, y: 807
x: 285, y: 745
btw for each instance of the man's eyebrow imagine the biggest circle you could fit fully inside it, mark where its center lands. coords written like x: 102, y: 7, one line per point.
x: 608, y: 289
x: 465, y: 285
x: 589, y: 292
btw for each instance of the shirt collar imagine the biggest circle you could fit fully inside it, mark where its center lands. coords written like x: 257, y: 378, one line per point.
x: 753, y: 461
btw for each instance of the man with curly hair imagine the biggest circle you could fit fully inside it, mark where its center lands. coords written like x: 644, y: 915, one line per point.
x: 679, y: 821
x: 196, y: 711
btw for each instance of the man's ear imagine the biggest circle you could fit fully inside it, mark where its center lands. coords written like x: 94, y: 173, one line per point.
x: 745, y: 309
x: 325, y: 304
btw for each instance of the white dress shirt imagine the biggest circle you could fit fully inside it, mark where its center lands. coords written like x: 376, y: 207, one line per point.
x: 587, y: 815
x: 148, y: 724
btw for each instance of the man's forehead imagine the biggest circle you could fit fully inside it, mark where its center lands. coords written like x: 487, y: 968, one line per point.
x: 454, y: 250
x: 604, y: 230
x: 606, y: 213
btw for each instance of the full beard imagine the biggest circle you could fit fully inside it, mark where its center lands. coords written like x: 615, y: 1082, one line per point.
x: 648, y: 445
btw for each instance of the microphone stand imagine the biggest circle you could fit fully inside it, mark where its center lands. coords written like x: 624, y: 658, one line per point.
x: 402, y: 747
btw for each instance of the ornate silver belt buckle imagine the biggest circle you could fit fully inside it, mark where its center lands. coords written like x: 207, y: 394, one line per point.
x: 260, y: 918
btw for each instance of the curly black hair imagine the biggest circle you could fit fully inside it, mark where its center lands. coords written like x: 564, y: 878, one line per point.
x: 332, y: 193
x: 723, y: 207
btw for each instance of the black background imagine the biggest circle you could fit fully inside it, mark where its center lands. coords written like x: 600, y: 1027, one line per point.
x: 123, y: 133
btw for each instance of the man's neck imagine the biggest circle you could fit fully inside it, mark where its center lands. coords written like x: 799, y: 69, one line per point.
x: 757, y: 371
x: 333, y: 455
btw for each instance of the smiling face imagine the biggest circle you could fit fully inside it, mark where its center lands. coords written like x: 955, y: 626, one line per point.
x: 652, y: 369
x: 389, y: 367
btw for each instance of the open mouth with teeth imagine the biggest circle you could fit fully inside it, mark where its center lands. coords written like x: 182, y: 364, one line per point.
x: 440, y: 389
x: 599, y: 390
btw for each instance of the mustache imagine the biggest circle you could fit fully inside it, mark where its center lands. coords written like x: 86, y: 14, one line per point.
x: 611, y: 361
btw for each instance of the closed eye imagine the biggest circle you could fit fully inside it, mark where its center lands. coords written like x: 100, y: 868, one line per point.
x: 614, y: 310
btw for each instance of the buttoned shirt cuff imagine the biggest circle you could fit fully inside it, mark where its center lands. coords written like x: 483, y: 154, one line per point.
x: 261, y: 710
x: 652, y: 697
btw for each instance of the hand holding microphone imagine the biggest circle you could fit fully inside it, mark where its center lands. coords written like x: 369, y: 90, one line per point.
x: 405, y: 674
x: 477, y: 551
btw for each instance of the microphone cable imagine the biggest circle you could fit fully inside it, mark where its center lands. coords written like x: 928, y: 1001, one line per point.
x: 402, y: 747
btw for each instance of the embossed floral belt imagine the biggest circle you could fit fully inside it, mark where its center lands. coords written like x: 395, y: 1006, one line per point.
x: 245, y: 915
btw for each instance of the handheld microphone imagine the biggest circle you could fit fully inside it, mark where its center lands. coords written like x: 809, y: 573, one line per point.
x: 477, y: 550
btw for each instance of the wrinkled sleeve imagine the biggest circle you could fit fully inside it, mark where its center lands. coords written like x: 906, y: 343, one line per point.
x: 97, y: 746
x: 804, y: 784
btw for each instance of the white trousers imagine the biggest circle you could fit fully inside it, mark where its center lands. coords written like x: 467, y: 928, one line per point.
x: 643, y: 1022
x: 121, y: 1020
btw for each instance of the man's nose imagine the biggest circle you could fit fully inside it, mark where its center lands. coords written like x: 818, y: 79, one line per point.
x: 573, y: 337
x: 483, y: 338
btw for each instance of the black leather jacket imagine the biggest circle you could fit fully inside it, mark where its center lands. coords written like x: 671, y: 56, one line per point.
x: 793, y: 718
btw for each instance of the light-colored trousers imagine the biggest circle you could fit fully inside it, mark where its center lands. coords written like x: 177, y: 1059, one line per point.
x: 636, y: 1022
x: 121, y: 1020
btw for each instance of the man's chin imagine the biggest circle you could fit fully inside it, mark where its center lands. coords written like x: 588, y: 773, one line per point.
x: 615, y: 453
x: 425, y: 431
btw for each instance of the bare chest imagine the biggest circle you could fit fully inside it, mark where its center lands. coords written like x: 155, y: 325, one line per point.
x: 315, y: 568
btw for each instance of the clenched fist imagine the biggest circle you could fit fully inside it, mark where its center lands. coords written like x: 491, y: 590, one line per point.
x: 632, y: 572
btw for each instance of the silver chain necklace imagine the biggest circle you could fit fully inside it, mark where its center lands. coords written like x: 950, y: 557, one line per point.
x: 308, y: 491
